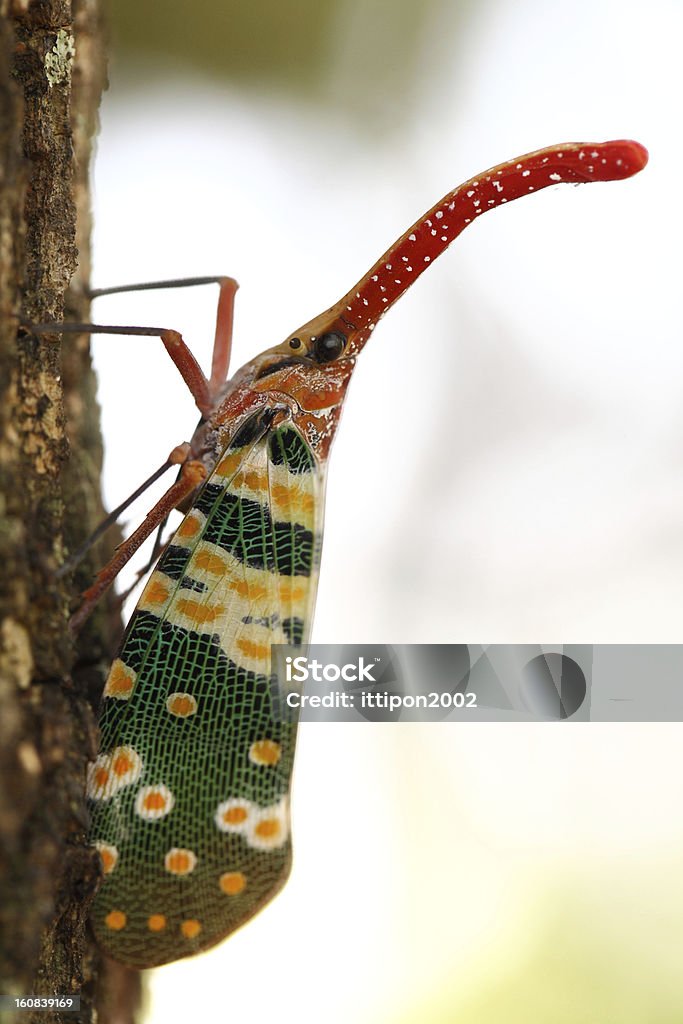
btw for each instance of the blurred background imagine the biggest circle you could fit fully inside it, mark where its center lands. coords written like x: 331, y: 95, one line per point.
x: 509, y: 469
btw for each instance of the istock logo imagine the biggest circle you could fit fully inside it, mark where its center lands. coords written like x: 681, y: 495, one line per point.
x: 300, y: 669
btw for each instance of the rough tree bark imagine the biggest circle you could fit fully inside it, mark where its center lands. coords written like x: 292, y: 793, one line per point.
x: 51, y: 77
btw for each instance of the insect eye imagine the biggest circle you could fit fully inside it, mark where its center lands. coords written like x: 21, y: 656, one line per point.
x: 329, y: 346
x: 295, y: 342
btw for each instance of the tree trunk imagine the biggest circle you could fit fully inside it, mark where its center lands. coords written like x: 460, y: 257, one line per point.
x: 51, y: 77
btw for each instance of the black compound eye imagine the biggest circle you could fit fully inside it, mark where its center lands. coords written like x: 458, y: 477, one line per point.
x: 329, y: 346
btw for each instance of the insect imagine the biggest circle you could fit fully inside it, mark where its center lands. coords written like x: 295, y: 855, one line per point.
x: 189, y: 795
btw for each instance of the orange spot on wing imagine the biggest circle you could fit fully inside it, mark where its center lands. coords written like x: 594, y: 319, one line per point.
x: 190, y: 928
x: 252, y: 591
x: 253, y: 650
x: 268, y: 828
x: 189, y: 526
x: 182, y: 705
x: 293, y: 499
x: 108, y: 857
x: 154, y: 801
x: 156, y: 922
x: 232, y: 883
x: 110, y: 772
x: 292, y: 592
x: 180, y: 862
x: 252, y: 479
x: 235, y: 815
x: 266, y: 752
x: 228, y: 464
x: 210, y: 563
x: 156, y: 592
x: 115, y: 920
x: 121, y: 680
x: 121, y: 764
x: 199, y: 611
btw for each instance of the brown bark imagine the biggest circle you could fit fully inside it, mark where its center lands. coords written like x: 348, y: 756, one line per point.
x: 51, y: 76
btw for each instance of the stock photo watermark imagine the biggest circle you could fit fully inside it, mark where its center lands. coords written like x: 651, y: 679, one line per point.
x: 479, y: 683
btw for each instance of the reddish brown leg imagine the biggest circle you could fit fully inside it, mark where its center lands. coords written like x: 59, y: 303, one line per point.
x: 189, y: 368
x: 222, y: 345
x: 160, y: 544
x: 77, y: 556
x: 204, y: 393
x: 191, y: 476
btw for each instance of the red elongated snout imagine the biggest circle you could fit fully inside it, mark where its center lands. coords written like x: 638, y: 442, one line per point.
x: 358, y: 312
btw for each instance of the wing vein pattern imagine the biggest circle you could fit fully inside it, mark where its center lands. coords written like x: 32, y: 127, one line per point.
x: 190, y: 795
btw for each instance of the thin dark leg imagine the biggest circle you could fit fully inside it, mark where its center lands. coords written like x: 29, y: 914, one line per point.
x: 204, y: 394
x: 187, y: 365
x: 148, y: 286
x: 224, y: 316
x: 77, y: 556
x: 192, y: 475
x: 160, y: 543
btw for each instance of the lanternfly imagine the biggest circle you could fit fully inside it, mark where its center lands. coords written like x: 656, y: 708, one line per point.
x: 189, y: 794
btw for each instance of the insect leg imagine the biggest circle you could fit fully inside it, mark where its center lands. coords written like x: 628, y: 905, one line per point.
x: 192, y: 474
x: 77, y: 556
x: 222, y: 344
x: 160, y: 543
x: 173, y: 341
x: 224, y: 315
x: 176, y: 282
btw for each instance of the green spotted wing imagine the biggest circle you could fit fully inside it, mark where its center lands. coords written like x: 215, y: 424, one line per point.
x: 190, y: 793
